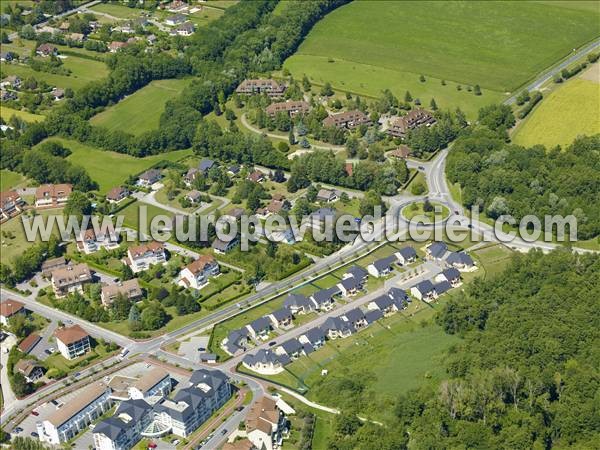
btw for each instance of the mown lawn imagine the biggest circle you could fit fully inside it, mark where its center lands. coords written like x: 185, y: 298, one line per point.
x: 82, y: 72
x: 417, y: 209
x: 141, y: 111
x: 119, y: 11
x: 498, y: 45
x: 571, y: 110
x: 10, y: 179
x: 14, y: 241
x: 6, y: 113
x: 110, y: 169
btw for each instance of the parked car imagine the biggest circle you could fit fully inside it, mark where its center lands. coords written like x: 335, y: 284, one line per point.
x: 52, y: 349
x: 224, y: 432
x: 47, y: 351
x: 34, y: 434
x: 421, y: 168
x: 272, y: 343
x: 35, y: 413
x: 239, y: 408
x: 17, y: 430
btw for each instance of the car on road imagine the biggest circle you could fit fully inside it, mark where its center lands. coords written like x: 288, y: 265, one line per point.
x: 239, y: 408
x: 456, y: 212
x: 224, y: 432
x: 17, y: 430
x: 77, y: 374
x: 272, y: 343
x: 421, y: 168
x: 35, y: 413
x: 34, y: 434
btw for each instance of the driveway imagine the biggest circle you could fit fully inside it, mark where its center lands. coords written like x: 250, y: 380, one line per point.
x: 7, y: 392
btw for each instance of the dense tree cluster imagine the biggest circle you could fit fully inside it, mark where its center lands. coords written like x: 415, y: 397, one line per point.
x: 324, y: 167
x: 501, y: 179
x: 520, y: 381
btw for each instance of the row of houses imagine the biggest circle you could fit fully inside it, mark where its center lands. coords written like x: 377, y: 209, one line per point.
x: 353, y: 281
x: 46, y: 196
x: 269, y: 362
x: 438, y: 251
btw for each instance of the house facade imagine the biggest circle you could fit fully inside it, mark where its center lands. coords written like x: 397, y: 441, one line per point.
x: 348, y: 119
x: 11, y: 204
x: 292, y: 108
x: 196, y: 274
x: 70, y: 279
x: 72, y: 341
x: 129, y: 289
x: 52, y: 195
x: 414, y: 119
x: 141, y: 257
x: 261, y: 86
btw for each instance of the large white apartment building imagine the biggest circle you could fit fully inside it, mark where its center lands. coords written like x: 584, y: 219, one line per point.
x: 76, y: 415
x: 149, y: 414
x: 196, y: 274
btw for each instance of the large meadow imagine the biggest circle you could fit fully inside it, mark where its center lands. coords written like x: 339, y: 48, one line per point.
x: 140, y: 111
x: 369, y: 45
x: 570, y: 110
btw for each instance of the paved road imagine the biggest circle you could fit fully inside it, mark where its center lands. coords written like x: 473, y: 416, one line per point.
x: 7, y: 393
x: 548, y: 75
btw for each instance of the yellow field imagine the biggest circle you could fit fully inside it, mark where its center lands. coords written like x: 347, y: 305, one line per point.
x: 571, y: 110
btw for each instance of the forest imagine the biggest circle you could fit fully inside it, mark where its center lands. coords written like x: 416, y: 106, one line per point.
x: 502, y: 178
x: 526, y: 373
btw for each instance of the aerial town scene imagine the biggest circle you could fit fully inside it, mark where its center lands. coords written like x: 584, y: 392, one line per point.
x: 299, y: 224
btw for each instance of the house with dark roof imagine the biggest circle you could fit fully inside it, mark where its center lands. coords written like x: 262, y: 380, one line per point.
x: 373, y: 316
x: 381, y: 267
x: 356, y: 318
x: 335, y: 327
x: 436, y: 250
x: 398, y: 295
x: 281, y: 318
x: 234, y: 170
x: 298, y: 304
x: 424, y: 291
x: 451, y: 275
x: 314, y: 337
x: 357, y: 273
x: 461, y: 261
x: 149, y: 177
x: 406, y: 255
x: 175, y: 19
x: 293, y: 348
x: 323, y: 300
x: 413, y: 119
x: 261, y: 86
x: 349, y: 286
x: 205, y: 165
x: 442, y: 287
x: 222, y: 247
x: 266, y: 362
x: 327, y: 196
x: 236, y: 341
x: 259, y: 328
x: 384, y: 304
x: 348, y: 119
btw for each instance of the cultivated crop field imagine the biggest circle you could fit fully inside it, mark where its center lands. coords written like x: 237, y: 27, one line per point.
x: 140, y: 112
x: 110, y: 169
x: 571, y: 110
x: 366, y: 46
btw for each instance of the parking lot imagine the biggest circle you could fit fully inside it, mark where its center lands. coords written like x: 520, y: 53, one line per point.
x: 39, y: 351
x: 191, y: 349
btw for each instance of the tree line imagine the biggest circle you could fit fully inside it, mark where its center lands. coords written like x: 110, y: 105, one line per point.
x: 502, y: 178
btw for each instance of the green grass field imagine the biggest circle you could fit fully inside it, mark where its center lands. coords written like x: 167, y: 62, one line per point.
x: 140, y: 111
x: 571, y: 110
x: 109, y: 169
x: 119, y: 11
x: 13, y: 241
x: 10, y: 179
x: 386, y: 44
x: 82, y: 72
x: 428, y: 217
x: 7, y: 113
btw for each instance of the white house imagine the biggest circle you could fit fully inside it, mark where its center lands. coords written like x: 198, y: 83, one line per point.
x: 264, y: 424
x: 424, y: 291
x: 406, y: 255
x: 196, y: 274
x: 259, y: 328
x: 89, y: 241
x: 281, y: 318
x: 266, y: 362
x: 381, y: 267
x: 141, y: 257
x: 72, y: 341
x: 461, y: 261
x: 9, y: 308
x: 451, y: 275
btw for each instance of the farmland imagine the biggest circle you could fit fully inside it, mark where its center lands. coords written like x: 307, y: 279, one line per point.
x: 571, y: 110
x: 14, y: 241
x: 140, y: 111
x: 110, y: 169
x: 118, y: 11
x: 368, y: 60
